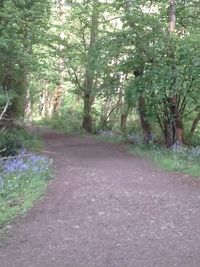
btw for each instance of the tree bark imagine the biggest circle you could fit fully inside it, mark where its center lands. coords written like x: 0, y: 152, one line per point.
x: 146, y: 127
x: 124, y: 123
x: 61, y: 68
x: 194, y: 125
x: 57, y: 99
x: 87, y: 118
x: 177, y: 121
x: 169, y: 130
x: 172, y: 16
x: 144, y: 121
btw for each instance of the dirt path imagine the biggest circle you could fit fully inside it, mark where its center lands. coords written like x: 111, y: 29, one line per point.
x: 107, y: 208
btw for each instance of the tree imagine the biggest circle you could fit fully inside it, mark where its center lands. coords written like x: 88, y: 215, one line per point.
x: 19, y: 36
x: 154, y: 50
x: 89, y: 24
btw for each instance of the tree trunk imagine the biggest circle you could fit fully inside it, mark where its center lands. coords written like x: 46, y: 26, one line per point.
x: 89, y: 73
x: 169, y: 131
x: 144, y: 121
x: 124, y: 123
x: 146, y: 128
x: 195, y: 124
x: 61, y: 66
x: 57, y: 99
x: 172, y: 16
x: 138, y: 72
x: 87, y: 117
x: 168, y: 135
x: 175, y: 121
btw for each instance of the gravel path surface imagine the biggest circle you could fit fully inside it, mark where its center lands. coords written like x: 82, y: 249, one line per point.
x: 106, y: 208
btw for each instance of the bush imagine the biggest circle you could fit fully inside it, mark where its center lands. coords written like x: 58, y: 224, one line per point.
x: 9, y: 144
x: 11, y: 141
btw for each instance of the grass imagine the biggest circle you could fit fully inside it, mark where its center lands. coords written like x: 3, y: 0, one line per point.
x: 24, y: 177
x: 181, y: 161
x: 168, y: 160
x: 31, y: 141
x: 62, y: 123
x: 21, y: 202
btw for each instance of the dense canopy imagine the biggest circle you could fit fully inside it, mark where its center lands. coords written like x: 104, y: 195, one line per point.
x: 129, y: 66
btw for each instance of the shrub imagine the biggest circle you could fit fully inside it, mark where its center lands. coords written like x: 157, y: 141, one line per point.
x: 11, y: 141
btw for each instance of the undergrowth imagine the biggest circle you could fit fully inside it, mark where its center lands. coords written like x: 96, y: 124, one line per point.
x: 111, y: 139
x: 185, y: 159
x: 12, y: 140
x: 23, y: 180
x: 23, y: 175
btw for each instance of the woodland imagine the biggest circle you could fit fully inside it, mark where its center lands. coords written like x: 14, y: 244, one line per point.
x: 126, y: 66
x: 128, y: 70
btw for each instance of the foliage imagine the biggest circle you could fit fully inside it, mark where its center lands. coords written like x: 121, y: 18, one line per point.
x: 12, y: 140
x: 64, y: 123
x: 186, y: 160
x: 19, y: 36
x: 181, y: 159
x: 103, y: 65
x: 110, y: 137
x: 22, y: 181
x: 69, y: 117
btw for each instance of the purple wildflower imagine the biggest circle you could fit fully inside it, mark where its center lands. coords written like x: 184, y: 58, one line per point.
x: 15, y: 165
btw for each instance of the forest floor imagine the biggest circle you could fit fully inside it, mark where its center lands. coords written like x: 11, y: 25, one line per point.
x: 106, y: 208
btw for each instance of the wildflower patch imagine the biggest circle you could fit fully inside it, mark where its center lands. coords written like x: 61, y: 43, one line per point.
x: 22, y: 180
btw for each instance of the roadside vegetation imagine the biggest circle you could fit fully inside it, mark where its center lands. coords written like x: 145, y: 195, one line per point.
x: 185, y: 160
x: 23, y: 174
x: 182, y: 159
